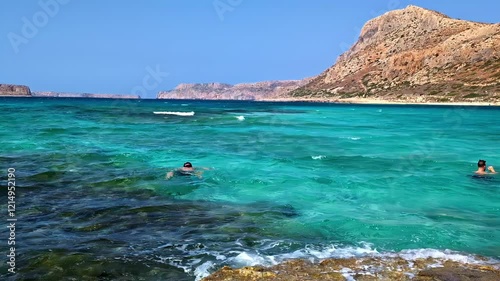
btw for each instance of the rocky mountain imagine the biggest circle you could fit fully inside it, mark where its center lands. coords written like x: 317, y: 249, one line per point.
x: 415, y: 55
x: 84, y: 95
x: 408, y: 55
x: 14, y: 90
x: 245, y: 91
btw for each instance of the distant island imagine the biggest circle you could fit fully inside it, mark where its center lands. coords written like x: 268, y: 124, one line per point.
x: 412, y: 55
x: 14, y: 90
x: 8, y: 90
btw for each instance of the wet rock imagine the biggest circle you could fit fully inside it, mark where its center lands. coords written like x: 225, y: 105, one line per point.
x: 362, y: 269
x: 458, y: 274
x: 296, y: 270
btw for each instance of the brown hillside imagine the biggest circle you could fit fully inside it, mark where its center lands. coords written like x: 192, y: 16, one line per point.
x: 418, y: 55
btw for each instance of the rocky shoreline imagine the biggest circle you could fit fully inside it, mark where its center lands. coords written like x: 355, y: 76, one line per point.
x: 363, y: 269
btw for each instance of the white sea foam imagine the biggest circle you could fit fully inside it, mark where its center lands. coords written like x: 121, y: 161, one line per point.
x: 366, y: 250
x: 318, y: 157
x: 203, y: 270
x: 313, y: 254
x: 351, y: 138
x: 241, y: 118
x: 331, y: 251
x: 348, y: 277
x: 414, y: 254
x: 178, y: 113
x: 248, y: 257
x: 347, y: 273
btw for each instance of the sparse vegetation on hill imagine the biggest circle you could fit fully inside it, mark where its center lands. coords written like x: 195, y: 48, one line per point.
x: 416, y: 55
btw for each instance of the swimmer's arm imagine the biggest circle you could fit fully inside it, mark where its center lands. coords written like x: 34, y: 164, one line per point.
x: 199, y: 174
x: 492, y: 170
x: 169, y: 175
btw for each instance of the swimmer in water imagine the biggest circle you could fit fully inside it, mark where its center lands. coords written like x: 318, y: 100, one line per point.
x: 186, y: 170
x: 481, y: 168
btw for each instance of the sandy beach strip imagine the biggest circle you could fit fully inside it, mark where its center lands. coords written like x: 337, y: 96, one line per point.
x: 379, y: 102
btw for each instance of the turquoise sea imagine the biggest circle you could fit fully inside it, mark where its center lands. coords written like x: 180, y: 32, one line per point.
x: 286, y: 180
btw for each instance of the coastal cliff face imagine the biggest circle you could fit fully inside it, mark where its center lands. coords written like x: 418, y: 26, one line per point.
x: 14, y: 90
x: 415, y: 55
x: 246, y: 91
x: 84, y: 95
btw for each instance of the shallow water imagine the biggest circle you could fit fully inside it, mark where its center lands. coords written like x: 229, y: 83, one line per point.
x: 286, y: 180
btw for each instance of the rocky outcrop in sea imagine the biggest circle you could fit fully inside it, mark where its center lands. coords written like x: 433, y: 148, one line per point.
x: 14, y: 90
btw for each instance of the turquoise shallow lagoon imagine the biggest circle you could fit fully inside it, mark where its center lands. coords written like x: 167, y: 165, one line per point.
x: 287, y: 180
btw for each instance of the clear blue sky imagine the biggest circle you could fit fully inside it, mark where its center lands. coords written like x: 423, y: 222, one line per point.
x: 112, y: 46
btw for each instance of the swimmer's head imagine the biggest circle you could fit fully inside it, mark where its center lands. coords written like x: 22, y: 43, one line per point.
x: 481, y: 163
x: 188, y: 165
